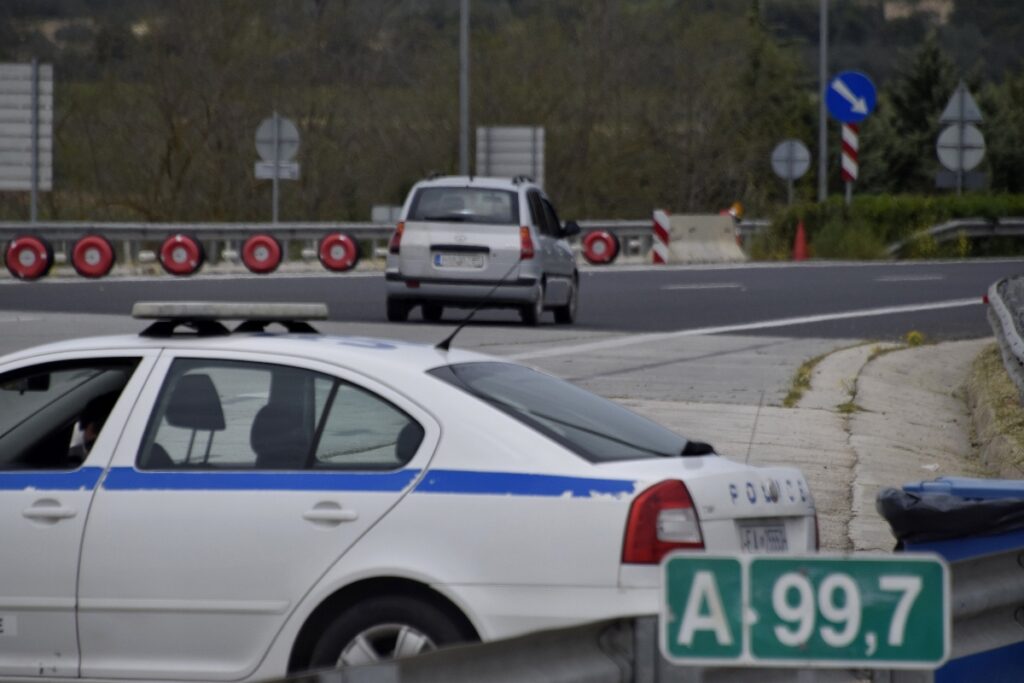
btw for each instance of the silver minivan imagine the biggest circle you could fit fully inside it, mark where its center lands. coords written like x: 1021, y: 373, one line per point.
x: 490, y: 242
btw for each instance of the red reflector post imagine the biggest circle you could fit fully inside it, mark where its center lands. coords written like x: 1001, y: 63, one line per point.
x: 661, y: 519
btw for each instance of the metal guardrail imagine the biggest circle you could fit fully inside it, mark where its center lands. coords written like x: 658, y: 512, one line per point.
x: 969, y: 227
x: 988, y: 613
x: 1006, y: 306
x: 635, y: 236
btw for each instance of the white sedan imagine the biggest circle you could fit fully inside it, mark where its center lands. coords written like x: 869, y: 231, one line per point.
x: 198, y: 504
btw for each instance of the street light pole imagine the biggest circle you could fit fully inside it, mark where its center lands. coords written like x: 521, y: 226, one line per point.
x: 464, y: 88
x: 822, y: 114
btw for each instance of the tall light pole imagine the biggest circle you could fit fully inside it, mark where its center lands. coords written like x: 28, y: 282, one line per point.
x: 822, y: 113
x: 464, y: 88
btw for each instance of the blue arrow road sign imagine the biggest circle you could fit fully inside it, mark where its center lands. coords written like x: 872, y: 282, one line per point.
x: 850, y: 96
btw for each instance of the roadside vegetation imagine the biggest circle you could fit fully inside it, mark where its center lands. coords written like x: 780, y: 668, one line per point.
x: 645, y: 105
x: 997, y: 401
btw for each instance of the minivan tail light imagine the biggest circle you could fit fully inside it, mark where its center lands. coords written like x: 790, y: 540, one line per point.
x: 525, y: 244
x: 661, y: 519
x: 395, y: 243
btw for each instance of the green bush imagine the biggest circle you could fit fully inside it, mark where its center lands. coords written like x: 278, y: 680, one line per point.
x: 871, y: 223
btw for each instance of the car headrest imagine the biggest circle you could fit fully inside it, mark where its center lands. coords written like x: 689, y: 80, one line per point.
x: 278, y: 438
x: 194, y: 404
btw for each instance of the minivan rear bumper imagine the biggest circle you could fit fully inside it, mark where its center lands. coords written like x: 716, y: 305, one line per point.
x: 461, y: 292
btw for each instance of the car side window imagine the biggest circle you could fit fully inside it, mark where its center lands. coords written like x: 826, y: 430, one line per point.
x: 51, y: 414
x: 362, y: 431
x: 218, y: 414
x: 548, y: 222
x: 536, y: 212
x: 554, y: 226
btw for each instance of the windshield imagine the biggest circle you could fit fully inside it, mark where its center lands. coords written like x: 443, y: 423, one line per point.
x: 465, y: 205
x: 593, y: 427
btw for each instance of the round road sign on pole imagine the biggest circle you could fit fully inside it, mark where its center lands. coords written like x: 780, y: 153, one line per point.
x: 960, y: 150
x: 850, y: 97
x: 278, y: 147
x: 790, y: 160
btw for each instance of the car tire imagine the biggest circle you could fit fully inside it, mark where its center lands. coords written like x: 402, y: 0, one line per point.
x: 432, y: 312
x: 566, y: 315
x: 385, y: 628
x: 531, y: 312
x: 398, y: 310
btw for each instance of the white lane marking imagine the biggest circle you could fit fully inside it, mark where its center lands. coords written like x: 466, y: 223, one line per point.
x: 783, y: 265
x: 909, y: 278
x: 633, y: 340
x: 709, y: 285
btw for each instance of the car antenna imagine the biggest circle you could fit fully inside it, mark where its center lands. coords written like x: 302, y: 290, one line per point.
x: 444, y: 344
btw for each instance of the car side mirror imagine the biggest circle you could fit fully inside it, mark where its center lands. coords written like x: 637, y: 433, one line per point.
x: 570, y: 228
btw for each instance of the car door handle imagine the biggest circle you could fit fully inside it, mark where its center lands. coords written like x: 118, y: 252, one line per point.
x: 48, y: 510
x: 329, y: 514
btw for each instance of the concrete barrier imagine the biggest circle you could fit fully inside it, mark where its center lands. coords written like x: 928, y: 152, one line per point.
x: 700, y: 238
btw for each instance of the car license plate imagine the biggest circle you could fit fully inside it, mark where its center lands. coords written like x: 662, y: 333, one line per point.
x: 443, y: 260
x: 763, y: 538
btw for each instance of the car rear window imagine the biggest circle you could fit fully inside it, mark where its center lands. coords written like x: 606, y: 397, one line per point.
x: 465, y: 205
x: 594, y: 428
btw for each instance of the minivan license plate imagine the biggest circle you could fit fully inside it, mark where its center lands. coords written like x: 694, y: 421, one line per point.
x: 443, y: 260
x: 763, y: 538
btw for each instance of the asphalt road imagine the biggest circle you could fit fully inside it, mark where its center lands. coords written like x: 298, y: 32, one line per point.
x: 821, y: 300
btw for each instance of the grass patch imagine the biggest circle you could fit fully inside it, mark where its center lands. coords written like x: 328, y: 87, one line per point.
x: 801, y: 381
x: 848, y: 408
x: 1002, y: 396
x: 914, y: 338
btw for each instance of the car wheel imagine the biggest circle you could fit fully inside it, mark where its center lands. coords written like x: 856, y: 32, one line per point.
x: 398, y: 310
x: 432, y: 312
x: 566, y: 315
x: 383, y: 628
x: 531, y: 312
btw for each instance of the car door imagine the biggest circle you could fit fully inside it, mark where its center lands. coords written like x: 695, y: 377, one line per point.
x: 557, y: 254
x: 562, y: 256
x: 242, y: 480
x: 48, y: 475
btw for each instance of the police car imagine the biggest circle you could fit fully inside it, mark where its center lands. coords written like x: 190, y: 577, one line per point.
x: 206, y: 503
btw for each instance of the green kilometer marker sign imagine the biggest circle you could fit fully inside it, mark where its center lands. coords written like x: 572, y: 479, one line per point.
x: 890, y: 611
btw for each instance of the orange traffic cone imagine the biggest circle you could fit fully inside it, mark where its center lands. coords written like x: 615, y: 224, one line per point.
x: 800, y: 243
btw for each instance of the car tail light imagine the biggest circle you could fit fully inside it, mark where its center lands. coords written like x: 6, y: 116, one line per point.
x: 525, y: 244
x: 396, y: 238
x: 661, y: 519
x: 984, y: 299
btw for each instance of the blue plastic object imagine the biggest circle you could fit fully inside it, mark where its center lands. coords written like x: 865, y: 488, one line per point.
x: 1006, y: 664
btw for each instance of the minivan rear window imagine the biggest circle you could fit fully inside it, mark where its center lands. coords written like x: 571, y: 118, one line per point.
x: 594, y: 428
x: 465, y: 205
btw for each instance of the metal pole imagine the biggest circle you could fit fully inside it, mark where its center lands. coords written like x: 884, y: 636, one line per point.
x: 822, y: 114
x: 277, y: 160
x: 790, y: 162
x: 961, y: 105
x: 464, y: 88
x: 34, y: 210
x: 849, y: 192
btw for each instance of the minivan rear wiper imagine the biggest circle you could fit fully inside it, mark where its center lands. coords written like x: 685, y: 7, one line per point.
x: 448, y: 218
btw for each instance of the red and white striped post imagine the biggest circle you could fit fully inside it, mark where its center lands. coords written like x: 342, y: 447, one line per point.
x: 659, y: 251
x: 850, y: 164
